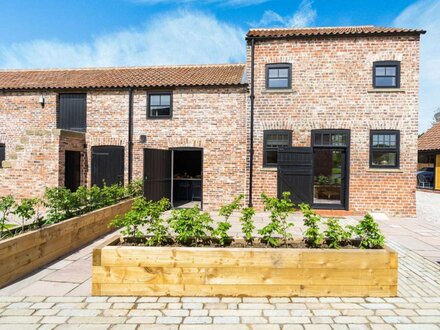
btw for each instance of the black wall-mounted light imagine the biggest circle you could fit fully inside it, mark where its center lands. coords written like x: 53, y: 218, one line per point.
x: 41, y: 100
x: 143, y: 139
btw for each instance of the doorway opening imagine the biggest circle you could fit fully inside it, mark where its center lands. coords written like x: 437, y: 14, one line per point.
x: 72, y: 170
x: 186, y: 177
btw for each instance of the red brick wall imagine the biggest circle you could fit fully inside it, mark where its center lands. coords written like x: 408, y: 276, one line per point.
x: 331, y: 89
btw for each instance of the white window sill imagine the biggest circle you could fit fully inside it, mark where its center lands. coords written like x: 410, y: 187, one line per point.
x: 281, y: 91
x: 384, y: 170
x: 269, y: 169
x: 386, y: 90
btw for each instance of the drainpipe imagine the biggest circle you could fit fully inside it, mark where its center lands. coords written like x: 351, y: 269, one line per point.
x: 130, y: 134
x: 251, y: 146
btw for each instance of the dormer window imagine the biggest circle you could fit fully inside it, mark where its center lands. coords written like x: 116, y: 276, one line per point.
x: 386, y: 74
x: 278, y: 76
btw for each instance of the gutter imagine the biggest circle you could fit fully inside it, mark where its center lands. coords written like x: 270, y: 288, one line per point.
x: 251, y: 145
x: 130, y: 134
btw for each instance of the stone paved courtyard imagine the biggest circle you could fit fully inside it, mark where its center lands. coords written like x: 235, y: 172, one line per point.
x: 58, y: 296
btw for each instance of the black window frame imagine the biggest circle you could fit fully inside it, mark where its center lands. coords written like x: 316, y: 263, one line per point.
x: 265, y: 149
x: 2, y: 153
x: 386, y: 64
x: 396, y: 149
x: 60, y: 122
x: 153, y: 93
x: 287, y: 66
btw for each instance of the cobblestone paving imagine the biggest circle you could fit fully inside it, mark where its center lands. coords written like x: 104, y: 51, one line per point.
x: 417, y: 307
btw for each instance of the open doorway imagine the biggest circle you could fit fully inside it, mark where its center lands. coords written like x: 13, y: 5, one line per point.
x: 187, y: 177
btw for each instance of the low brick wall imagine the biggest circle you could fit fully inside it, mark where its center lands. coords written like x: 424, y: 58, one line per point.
x: 25, y: 253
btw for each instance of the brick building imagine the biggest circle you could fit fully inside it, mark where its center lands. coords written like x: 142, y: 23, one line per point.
x: 329, y: 114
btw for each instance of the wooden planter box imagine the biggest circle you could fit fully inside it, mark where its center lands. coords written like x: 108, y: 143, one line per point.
x: 26, y: 253
x: 252, y: 272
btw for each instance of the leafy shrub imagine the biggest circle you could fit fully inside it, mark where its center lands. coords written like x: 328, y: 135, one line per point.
x: 335, y: 235
x: 157, y: 227
x: 247, y: 223
x: 61, y: 203
x: 313, y: 236
x: 279, y: 211
x: 7, y: 203
x: 133, y: 219
x: 25, y: 210
x: 190, y: 225
x: 221, y: 232
x: 369, y: 234
x: 135, y: 188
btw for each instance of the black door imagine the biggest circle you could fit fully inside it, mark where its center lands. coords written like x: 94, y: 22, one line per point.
x: 295, y: 173
x: 157, y: 174
x: 72, y: 111
x: 72, y: 170
x: 107, y: 165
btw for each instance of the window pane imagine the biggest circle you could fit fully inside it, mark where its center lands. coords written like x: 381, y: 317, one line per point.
x: 385, y: 81
x: 271, y: 156
x: 380, y: 71
x: 165, y: 99
x: 156, y: 111
x: 325, y: 139
x: 318, y: 139
x: 273, y: 73
x: 391, y: 71
x: 283, y: 73
x: 155, y: 99
x: 384, y: 141
x: 278, y: 83
x: 384, y: 158
x: 277, y: 140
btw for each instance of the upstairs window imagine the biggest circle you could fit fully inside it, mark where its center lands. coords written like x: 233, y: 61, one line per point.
x: 2, y: 153
x: 386, y: 74
x: 159, y: 105
x: 273, y: 140
x: 278, y: 76
x: 384, y: 149
x: 72, y: 111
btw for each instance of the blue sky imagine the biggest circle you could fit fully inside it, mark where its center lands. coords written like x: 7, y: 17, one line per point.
x: 84, y: 33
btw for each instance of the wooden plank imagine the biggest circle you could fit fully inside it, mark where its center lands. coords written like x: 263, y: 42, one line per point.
x: 243, y: 275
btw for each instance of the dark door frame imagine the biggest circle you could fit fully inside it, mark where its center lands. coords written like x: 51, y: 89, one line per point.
x: 201, y: 171
x: 347, y: 132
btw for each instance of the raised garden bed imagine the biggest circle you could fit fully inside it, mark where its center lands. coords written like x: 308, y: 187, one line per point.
x: 214, y: 271
x: 27, y: 252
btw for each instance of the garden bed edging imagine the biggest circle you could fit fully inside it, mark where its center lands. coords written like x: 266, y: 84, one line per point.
x: 25, y: 253
x: 241, y: 272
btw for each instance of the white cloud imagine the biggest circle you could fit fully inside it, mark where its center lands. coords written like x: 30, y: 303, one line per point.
x: 425, y: 14
x: 231, y: 3
x: 305, y: 15
x: 182, y: 37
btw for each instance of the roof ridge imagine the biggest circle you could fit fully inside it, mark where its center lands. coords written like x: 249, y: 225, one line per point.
x: 315, y: 27
x: 125, y: 67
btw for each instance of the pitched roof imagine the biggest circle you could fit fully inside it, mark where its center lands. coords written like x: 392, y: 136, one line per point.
x: 431, y: 139
x: 154, y: 76
x: 328, y: 31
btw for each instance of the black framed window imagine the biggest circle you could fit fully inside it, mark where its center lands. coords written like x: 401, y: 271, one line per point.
x: 72, y: 111
x: 386, y: 74
x: 273, y: 140
x: 159, y: 104
x: 278, y: 76
x: 384, y: 149
x: 2, y: 153
x: 330, y: 138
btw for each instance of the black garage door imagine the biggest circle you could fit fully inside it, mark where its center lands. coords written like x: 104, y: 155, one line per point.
x: 107, y: 165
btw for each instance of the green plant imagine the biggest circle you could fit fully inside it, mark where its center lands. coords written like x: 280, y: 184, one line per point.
x: 313, y: 236
x: 135, y: 188
x: 247, y: 223
x: 156, y: 225
x: 322, y: 180
x: 190, y: 225
x: 369, y: 234
x: 112, y: 194
x: 133, y: 219
x: 335, y: 235
x: 279, y: 211
x: 61, y: 204
x: 25, y: 210
x: 221, y: 232
x: 6, y: 205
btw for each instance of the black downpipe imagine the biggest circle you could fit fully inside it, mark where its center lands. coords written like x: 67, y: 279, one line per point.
x: 130, y: 134
x: 251, y: 146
